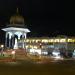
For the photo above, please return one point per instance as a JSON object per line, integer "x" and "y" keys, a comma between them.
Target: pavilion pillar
{"x": 23, "y": 40}
{"x": 16, "y": 44}
{"x": 12, "y": 40}
{"x": 6, "y": 40}
{"x": 18, "y": 37}
{"x": 10, "y": 34}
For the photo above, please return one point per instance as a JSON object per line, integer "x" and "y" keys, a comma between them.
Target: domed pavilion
{"x": 16, "y": 27}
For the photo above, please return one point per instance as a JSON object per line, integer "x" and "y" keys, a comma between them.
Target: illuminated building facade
{"x": 66, "y": 43}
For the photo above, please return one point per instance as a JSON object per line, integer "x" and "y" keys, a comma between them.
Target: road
{"x": 66, "y": 67}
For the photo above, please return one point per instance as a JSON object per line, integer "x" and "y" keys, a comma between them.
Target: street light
{"x": 2, "y": 49}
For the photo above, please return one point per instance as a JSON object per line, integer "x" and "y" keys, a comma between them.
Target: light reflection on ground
{"x": 12, "y": 63}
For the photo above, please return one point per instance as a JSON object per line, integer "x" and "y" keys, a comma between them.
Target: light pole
{"x": 2, "y": 50}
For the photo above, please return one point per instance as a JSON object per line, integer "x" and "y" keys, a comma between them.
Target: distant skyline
{"x": 43, "y": 17}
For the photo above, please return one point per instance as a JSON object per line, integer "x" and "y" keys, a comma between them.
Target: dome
{"x": 16, "y": 19}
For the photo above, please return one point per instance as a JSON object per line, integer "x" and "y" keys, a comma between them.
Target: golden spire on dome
{"x": 17, "y": 18}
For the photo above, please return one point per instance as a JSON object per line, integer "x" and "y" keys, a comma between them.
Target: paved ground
{"x": 66, "y": 67}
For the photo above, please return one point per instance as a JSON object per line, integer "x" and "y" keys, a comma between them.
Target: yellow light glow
{"x": 33, "y": 40}
{"x": 26, "y": 46}
{"x": 35, "y": 47}
{"x": 2, "y": 46}
{"x": 36, "y": 41}
{"x": 56, "y": 40}
{"x": 70, "y": 40}
{"x": 52, "y": 40}
{"x": 62, "y": 40}
{"x": 27, "y": 40}
{"x": 45, "y": 40}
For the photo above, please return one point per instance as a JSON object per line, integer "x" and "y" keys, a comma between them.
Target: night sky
{"x": 43, "y": 17}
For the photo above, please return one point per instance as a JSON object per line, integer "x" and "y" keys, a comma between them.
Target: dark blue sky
{"x": 44, "y": 17}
